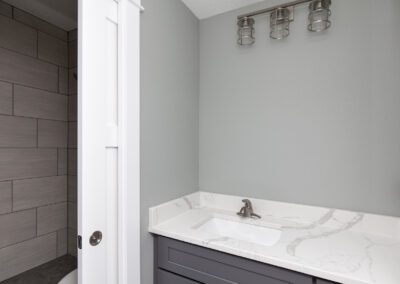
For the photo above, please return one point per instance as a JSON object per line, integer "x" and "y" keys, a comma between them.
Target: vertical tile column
{"x": 34, "y": 66}
{"x": 72, "y": 142}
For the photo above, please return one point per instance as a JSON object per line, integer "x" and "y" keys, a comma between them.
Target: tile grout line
{"x": 37, "y": 43}
{"x": 12, "y": 196}
{"x": 58, "y": 162}
{"x": 58, "y": 79}
{"x": 56, "y": 243}
{"x": 37, "y": 133}
{"x": 13, "y": 98}
{"x": 30, "y": 178}
{"x": 27, "y": 240}
{"x": 35, "y": 88}
{"x": 30, "y": 56}
{"x": 38, "y": 207}
{"x": 36, "y": 221}
{"x": 30, "y": 117}
{"x": 32, "y": 147}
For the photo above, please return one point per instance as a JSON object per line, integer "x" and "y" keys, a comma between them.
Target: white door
{"x": 108, "y": 133}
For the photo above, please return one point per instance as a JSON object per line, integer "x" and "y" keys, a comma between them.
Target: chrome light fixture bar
{"x": 280, "y": 18}
{"x": 268, "y": 10}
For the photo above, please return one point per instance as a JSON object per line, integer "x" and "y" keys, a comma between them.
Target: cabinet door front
{"x": 213, "y": 267}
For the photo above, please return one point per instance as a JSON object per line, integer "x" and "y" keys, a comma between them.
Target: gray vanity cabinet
{"x": 183, "y": 263}
{"x": 165, "y": 277}
{"x": 320, "y": 281}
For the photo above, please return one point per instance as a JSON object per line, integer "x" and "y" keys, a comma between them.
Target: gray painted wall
{"x": 311, "y": 119}
{"x": 169, "y": 111}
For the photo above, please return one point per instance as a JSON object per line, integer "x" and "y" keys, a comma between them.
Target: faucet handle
{"x": 247, "y": 203}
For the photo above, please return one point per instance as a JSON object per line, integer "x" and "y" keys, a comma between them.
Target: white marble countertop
{"x": 342, "y": 246}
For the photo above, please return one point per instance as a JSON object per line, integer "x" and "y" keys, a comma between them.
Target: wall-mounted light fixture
{"x": 246, "y": 31}
{"x": 279, "y": 22}
{"x": 319, "y": 15}
{"x": 280, "y": 18}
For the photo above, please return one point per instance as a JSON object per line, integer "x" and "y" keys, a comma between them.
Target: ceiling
{"x": 207, "y": 8}
{"x": 62, "y": 13}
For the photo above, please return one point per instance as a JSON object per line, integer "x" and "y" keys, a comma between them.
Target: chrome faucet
{"x": 247, "y": 210}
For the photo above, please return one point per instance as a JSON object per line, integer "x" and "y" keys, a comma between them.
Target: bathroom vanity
{"x": 200, "y": 238}
{"x": 182, "y": 263}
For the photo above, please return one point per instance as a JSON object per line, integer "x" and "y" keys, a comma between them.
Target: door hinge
{"x": 79, "y": 242}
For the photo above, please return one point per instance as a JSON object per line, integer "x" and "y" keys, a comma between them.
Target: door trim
{"x": 129, "y": 141}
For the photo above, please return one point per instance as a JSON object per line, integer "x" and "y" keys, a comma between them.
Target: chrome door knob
{"x": 95, "y": 238}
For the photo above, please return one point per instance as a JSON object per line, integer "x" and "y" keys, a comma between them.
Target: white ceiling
{"x": 207, "y": 8}
{"x": 62, "y": 13}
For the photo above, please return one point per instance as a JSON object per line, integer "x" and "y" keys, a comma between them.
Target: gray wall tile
{"x": 52, "y": 133}
{"x": 72, "y": 108}
{"x": 17, "y": 36}
{"x": 6, "y": 197}
{"x": 41, "y": 104}
{"x": 34, "y": 65}
{"x": 72, "y": 86}
{"x": 73, "y": 54}
{"x": 17, "y": 131}
{"x": 72, "y": 134}
{"x": 72, "y": 215}
{"x": 72, "y": 244}
{"x": 72, "y": 161}
{"x": 35, "y": 192}
{"x": 39, "y": 24}
{"x": 24, "y": 256}
{"x": 25, "y": 70}
{"x": 27, "y": 163}
{"x": 6, "y": 100}
{"x": 53, "y": 49}
{"x": 73, "y": 35}
{"x": 72, "y": 188}
{"x": 62, "y": 161}
{"x": 63, "y": 80}
{"x": 51, "y": 218}
{"x": 5, "y": 9}
{"x": 62, "y": 242}
{"x": 17, "y": 227}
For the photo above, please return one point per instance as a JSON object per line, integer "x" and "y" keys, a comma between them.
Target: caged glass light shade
{"x": 279, "y": 23}
{"x": 246, "y": 31}
{"x": 319, "y": 15}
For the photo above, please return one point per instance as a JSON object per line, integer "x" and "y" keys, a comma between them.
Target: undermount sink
{"x": 241, "y": 231}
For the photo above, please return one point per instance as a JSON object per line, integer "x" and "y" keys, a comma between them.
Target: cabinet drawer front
{"x": 164, "y": 277}
{"x": 213, "y": 267}
{"x": 320, "y": 281}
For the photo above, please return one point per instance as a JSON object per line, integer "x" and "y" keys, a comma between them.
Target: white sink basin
{"x": 241, "y": 231}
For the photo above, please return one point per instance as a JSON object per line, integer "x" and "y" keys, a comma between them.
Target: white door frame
{"x": 124, "y": 136}
{"x": 129, "y": 141}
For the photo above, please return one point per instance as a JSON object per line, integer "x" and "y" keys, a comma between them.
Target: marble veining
{"x": 342, "y": 246}
{"x": 291, "y": 248}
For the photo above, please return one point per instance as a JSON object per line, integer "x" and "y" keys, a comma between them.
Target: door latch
{"x": 79, "y": 242}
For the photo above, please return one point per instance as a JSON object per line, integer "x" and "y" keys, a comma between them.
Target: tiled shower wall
{"x": 72, "y": 143}
{"x": 34, "y": 154}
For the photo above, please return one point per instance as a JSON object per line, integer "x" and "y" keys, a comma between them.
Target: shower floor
{"x": 49, "y": 273}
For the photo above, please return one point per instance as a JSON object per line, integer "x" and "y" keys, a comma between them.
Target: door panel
{"x": 97, "y": 139}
